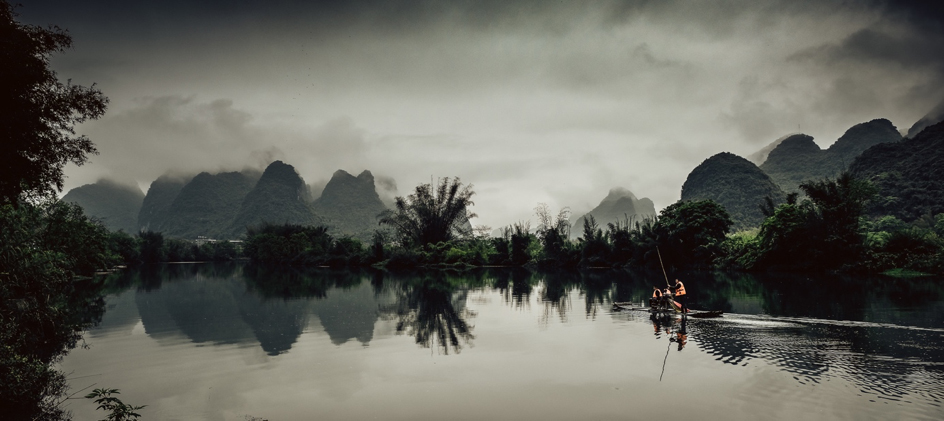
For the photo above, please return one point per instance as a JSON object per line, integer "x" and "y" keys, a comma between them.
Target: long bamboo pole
{"x": 663, "y": 266}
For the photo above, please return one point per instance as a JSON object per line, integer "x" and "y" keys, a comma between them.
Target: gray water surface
{"x": 233, "y": 342}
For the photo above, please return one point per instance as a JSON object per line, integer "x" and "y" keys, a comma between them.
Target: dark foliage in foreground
{"x": 39, "y": 112}
{"x": 47, "y": 300}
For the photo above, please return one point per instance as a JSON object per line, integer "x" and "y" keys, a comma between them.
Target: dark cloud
{"x": 533, "y": 101}
{"x": 874, "y": 46}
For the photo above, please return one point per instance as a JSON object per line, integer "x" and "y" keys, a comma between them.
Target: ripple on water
{"x": 891, "y": 364}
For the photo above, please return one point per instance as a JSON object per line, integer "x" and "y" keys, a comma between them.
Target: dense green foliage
{"x": 734, "y": 183}
{"x": 827, "y": 232}
{"x": 909, "y": 175}
{"x": 798, "y": 159}
{"x": 115, "y": 205}
{"x": 432, "y": 216}
{"x": 47, "y": 252}
{"x": 690, "y": 233}
{"x": 39, "y": 112}
{"x": 305, "y": 245}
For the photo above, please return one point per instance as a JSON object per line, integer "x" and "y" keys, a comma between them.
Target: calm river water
{"x": 240, "y": 342}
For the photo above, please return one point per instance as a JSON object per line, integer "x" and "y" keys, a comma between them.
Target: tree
{"x": 553, "y": 233}
{"x": 820, "y": 232}
{"x": 839, "y": 203}
{"x": 430, "y": 217}
{"x": 37, "y": 134}
{"x": 690, "y": 232}
{"x": 44, "y": 305}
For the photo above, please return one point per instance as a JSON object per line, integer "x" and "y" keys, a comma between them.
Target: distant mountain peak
{"x": 864, "y": 135}
{"x": 793, "y": 144}
{"x": 618, "y": 205}
{"x": 760, "y": 156}
{"x": 114, "y": 203}
{"x": 350, "y": 204}
{"x": 280, "y": 196}
{"x": 617, "y": 193}
{"x": 798, "y": 159}
{"x": 735, "y": 183}
{"x": 936, "y": 115}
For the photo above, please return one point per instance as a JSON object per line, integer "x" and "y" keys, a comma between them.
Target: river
{"x": 244, "y": 342}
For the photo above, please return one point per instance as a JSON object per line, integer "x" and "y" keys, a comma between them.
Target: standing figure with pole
{"x": 677, "y": 290}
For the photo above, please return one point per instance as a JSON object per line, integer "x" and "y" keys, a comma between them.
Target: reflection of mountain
{"x": 121, "y": 314}
{"x": 349, "y": 313}
{"x": 346, "y": 306}
{"x": 221, "y": 311}
{"x": 203, "y": 309}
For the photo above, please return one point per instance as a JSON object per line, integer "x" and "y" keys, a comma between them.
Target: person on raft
{"x": 656, "y": 299}
{"x": 678, "y": 290}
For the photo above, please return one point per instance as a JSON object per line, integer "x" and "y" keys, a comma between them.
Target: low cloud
{"x": 532, "y": 101}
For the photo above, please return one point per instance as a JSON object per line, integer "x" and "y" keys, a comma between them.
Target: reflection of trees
{"x": 432, "y": 309}
{"x": 288, "y": 281}
{"x": 515, "y": 286}
{"x": 554, "y": 296}
{"x": 597, "y": 289}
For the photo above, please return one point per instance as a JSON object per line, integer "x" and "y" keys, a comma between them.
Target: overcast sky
{"x": 530, "y": 101}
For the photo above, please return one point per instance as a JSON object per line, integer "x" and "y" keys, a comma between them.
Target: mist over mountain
{"x": 280, "y": 196}
{"x": 350, "y": 204}
{"x": 160, "y": 196}
{"x": 618, "y": 205}
{"x": 797, "y": 158}
{"x": 760, "y": 156}
{"x": 115, "y": 205}
{"x": 909, "y": 174}
{"x": 738, "y": 184}
{"x": 933, "y": 117}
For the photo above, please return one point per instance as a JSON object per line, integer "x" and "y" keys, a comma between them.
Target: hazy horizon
{"x": 529, "y": 101}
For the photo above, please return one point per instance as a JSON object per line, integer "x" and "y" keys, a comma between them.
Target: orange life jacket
{"x": 656, "y": 293}
{"x": 681, "y": 289}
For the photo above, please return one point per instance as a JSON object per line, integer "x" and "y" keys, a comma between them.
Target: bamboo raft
{"x": 701, "y": 314}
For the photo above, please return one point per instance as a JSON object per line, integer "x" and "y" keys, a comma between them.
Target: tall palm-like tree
{"x": 431, "y": 216}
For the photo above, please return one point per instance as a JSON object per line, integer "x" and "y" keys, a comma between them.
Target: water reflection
{"x": 215, "y": 307}
{"x": 432, "y": 308}
{"x": 337, "y": 334}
